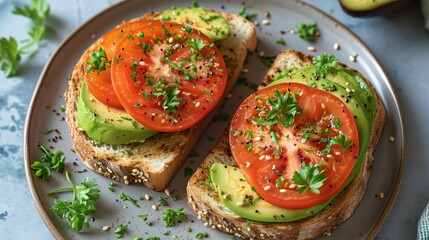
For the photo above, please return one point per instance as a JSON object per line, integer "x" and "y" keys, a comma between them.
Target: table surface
{"x": 399, "y": 41}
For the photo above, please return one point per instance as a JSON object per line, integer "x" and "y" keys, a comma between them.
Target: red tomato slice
{"x": 170, "y": 78}
{"x": 269, "y": 166}
{"x": 100, "y": 83}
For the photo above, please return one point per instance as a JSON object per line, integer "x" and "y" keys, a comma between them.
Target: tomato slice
{"x": 99, "y": 82}
{"x": 269, "y": 153}
{"x": 169, "y": 76}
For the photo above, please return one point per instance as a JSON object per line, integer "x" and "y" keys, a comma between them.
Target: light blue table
{"x": 399, "y": 41}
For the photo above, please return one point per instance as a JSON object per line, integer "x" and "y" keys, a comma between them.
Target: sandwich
{"x": 297, "y": 157}
{"x": 141, "y": 95}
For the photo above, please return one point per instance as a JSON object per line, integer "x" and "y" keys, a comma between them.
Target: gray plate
{"x": 45, "y": 113}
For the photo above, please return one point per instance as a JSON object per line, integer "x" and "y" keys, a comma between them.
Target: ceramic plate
{"x": 45, "y": 113}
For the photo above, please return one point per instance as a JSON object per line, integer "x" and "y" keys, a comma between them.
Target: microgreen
{"x": 77, "y": 210}
{"x": 120, "y": 230}
{"x": 307, "y": 31}
{"x": 309, "y": 177}
{"x": 169, "y": 215}
{"x": 324, "y": 63}
{"x": 56, "y": 160}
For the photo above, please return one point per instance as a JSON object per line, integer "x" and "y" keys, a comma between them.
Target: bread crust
{"x": 154, "y": 162}
{"x": 209, "y": 208}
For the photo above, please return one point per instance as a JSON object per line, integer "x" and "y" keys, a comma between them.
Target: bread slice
{"x": 209, "y": 208}
{"x": 154, "y": 162}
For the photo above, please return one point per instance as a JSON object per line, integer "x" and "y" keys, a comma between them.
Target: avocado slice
{"x": 233, "y": 189}
{"x": 369, "y": 8}
{"x": 211, "y": 23}
{"x": 107, "y": 125}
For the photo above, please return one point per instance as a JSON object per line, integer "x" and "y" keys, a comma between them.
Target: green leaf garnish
{"x": 120, "y": 230}
{"x": 242, "y": 12}
{"x": 125, "y": 197}
{"x": 169, "y": 215}
{"x": 324, "y": 63}
{"x": 310, "y": 177}
{"x": 99, "y": 61}
{"x": 267, "y": 60}
{"x": 307, "y": 31}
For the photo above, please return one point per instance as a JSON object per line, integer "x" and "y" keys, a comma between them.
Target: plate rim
{"x": 55, "y": 229}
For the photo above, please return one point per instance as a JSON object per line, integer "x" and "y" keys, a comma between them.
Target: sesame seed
{"x": 352, "y": 58}
{"x": 167, "y": 191}
{"x": 337, "y": 153}
{"x": 245, "y": 70}
{"x": 206, "y": 224}
{"x": 323, "y": 105}
{"x": 391, "y": 138}
{"x": 292, "y": 186}
{"x": 348, "y": 90}
{"x": 268, "y": 187}
{"x": 197, "y": 104}
{"x": 239, "y": 204}
{"x": 282, "y": 190}
{"x": 266, "y": 22}
{"x": 381, "y": 195}
{"x": 256, "y": 23}
{"x": 311, "y": 48}
{"x": 329, "y": 156}
{"x": 261, "y": 53}
{"x": 268, "y": 157}
{"x": 154, "y": 207}
{"x": 127, "y": 182}
{"x": 106, "y": 228}
{"x": 134, "y": 170}
{"x": 303, "y": 140}
{"x": 125, "y": 177}
{"x": 262, "y": 157}
{"x": 266, "y": 14}
{"x": 147, "y": 197}
{"x": 229, "y": 95}
{"x": 257, "y": 138}
{"x": 336, "y": 46}
{"x": 80, "y": 129}
{"x": 247, "y": 164}
{"x": 170, "y": 40}
{"x": 125, "y": 207}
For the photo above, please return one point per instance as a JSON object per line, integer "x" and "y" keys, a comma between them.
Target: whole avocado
{"x": 372, "y": 8}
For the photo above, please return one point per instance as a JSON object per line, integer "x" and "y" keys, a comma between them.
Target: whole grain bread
{"x": 207, "y": 205}
{"x": 154, "y": 162}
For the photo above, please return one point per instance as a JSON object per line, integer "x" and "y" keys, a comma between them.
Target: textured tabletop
{"x": 399, "y": 41}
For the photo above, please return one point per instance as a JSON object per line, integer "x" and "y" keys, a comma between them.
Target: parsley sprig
{"x": 310, "y": 177}
{"x": 242, "y": 12}
{"x": 77, "y": 210}
{"x": 120, "y": 230}
{"x": 169, "y": 92}
{"x": 307, "y": 31}
{"x": 169, "y": 215}
{"x": 340, "y": 140}
{"x": 56, "y": 160}
{"x": 284, "y": 108}
{"x": 324, "y": 63}
{"x": 10, "y": 52}
{"x": 125, "y": 197}
{"x": 99, "y": 61}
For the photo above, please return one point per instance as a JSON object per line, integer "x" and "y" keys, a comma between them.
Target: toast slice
{"x": 209, "y": 208}
{"x": 154, "y": 162}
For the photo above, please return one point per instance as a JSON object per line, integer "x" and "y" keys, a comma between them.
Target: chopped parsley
{"x": 281, "y": 41}
{"x": 163, "y": 202}
{"x": 324, "y": 63}
{"x": 125, "y": 197}
{"x": 202, "y": 235}
{"x": 188, "y": 171}
{"x": 267, "y": 60}
{"x": 120, "y": 230}
{"x": 99, "y": 61}
{"x": 242, "y": 12}
{"x": 169, "y": 215}
{"x": 111, "y": 186}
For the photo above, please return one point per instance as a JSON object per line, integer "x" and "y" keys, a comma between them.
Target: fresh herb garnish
{"x": 77, "y": 210}
{"x": 340, "y": 140}
{"x": 188, "y": 171}
{"x": 283, "y": 107}
{"x": 56, "y": 160}
{"x": 281, "y": 41}
{"x": 144, "y": 216}
{"x": 307, "y": 31}
{"x": 175, "y": 196}
{"x": 120, "y": 230}
{"x": 99, "y": 61}
{"x": 242, "y": 12}
{"x": 125, "y": 197}
{"x": 111, "y": 186}
{"x": 202, "y": 235}
{"x": 194, "y": 4}
{"x": 10, "y": 53}
{"x": 163, "y": 202}
{"x": 309, "y": 177}
{"x": 267, "y": 60}
{"x": 280, "y": 181}
{"x": 324, "y": 63}
{"x": 169, "y": 215}
{"x": 189, "y": 229}
{"x": 169, "y": 92}
{"x": 196, "y": 45}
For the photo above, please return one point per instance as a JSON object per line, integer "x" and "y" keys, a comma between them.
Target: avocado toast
{"x": 154, "y": 161}
{"x": 234, "y": 208}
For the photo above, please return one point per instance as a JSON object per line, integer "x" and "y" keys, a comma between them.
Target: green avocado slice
{"x": 211, "y": 23}
{"x": 230, "y": 184}
{"x": 107, "y": 125}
